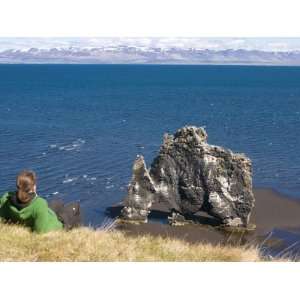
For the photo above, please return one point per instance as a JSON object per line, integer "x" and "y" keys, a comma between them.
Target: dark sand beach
{"x": 272, "y": 211}
{"x": 275, "y": 210}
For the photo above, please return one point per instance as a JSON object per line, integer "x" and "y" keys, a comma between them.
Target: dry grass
{"x": 85, "y": 244}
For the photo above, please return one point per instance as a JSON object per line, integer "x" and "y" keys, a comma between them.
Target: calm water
{"x": 81, "y": 126}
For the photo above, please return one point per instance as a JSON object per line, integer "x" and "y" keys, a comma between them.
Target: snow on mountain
{"x": 151, "y": 51}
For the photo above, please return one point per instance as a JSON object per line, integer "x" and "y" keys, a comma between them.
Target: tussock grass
{"x": 86, "y": 244}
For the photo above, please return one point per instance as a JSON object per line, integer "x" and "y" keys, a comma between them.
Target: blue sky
{"x": 265, "y": 44}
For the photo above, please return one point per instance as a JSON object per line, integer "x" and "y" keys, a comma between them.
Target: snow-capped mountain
{"x": 151, "y": 51}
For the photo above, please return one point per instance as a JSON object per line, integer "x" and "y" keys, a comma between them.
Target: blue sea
{"x": 80, "y": 127}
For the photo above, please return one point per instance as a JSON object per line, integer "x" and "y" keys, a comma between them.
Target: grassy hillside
{"x": 85, "y": 244}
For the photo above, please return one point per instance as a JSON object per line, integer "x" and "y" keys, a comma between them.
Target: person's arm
{"x": 3, "y": 199}
{"x": 44, "y": 221}
{"x": 41, "y": 218}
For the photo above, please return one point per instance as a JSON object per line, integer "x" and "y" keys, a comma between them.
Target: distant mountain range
{"x": 145, "y": 54}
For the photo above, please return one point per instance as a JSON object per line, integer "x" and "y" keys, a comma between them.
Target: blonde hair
{"x": 26, "y": 181}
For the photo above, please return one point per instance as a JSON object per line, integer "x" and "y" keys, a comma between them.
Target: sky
{"x": 264, "y": 44}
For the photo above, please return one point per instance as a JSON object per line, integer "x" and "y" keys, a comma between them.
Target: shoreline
{"x": 272, "y": 210}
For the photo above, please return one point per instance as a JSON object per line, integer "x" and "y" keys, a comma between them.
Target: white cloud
{"x": 278, "y": 46}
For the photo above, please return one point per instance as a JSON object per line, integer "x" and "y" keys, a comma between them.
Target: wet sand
{"x": 272, "y": 210}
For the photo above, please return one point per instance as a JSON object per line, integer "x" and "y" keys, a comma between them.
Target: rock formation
{"x": 191, "y": 175}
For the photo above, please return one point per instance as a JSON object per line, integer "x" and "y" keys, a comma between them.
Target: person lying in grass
{"x": 25, "y": 207}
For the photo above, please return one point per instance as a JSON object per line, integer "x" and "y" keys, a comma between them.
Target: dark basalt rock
{"x": 191, "y": 175}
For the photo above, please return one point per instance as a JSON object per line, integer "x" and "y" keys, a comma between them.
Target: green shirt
{"x": 37, "y": 215}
